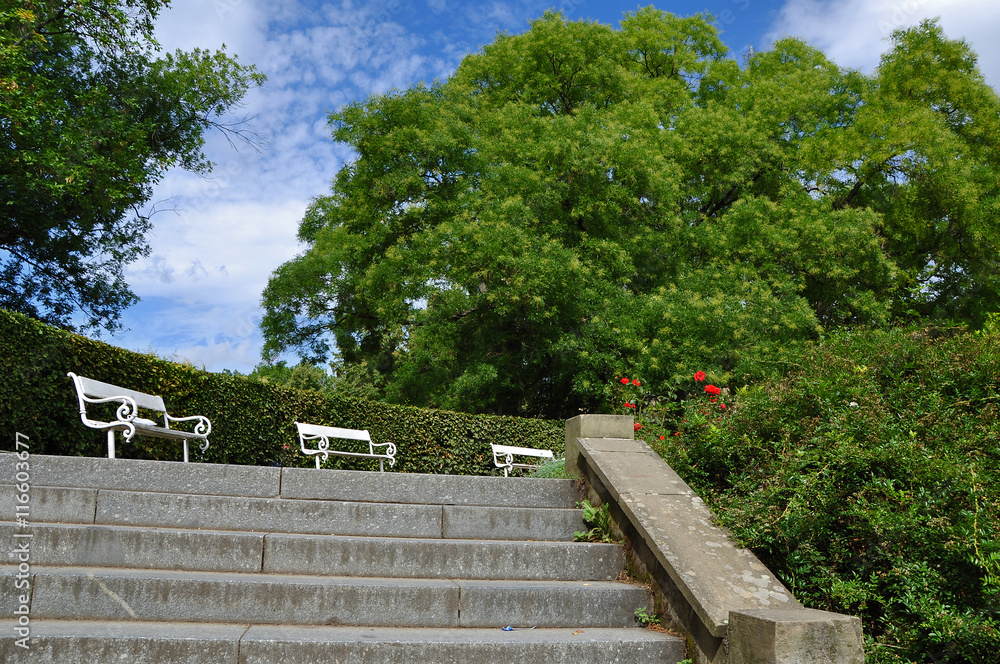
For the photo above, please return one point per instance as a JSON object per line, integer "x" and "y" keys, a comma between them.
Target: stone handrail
{"x": 732, "y": 608}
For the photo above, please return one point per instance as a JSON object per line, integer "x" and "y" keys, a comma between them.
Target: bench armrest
{"x": 126, "y": 412}
{"x": 202, "y": 429}
{"x": 390, "y": 450}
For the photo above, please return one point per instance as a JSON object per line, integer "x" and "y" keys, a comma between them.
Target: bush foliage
{"x": 866, "y": 474}
{"x": 252, "y": 421}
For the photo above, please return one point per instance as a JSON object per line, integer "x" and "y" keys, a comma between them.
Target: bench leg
{"x": 317, "y": 462}
{"x": 111, "y": 443}
{"x": 185, "y": 451}
{"x": 381, "y": 465}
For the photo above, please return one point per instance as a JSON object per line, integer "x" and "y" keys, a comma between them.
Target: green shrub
{"x": 552, "y": 469}
{"x": 252, "y": 421}
{"x": 868, "y": 480}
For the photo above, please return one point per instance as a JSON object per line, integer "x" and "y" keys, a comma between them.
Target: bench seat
{"x": 323, "y": 434}
{"x": 93, "y": 392}
{"x": 504, "y": 455}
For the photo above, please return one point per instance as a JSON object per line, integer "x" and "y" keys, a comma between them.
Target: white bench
{"x": 323, "y": 434}
{"x": 508, "y": 453}
{"x": 90, "y": 391}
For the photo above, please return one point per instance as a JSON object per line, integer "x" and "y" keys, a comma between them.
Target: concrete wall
{"x": 731, "y": 607}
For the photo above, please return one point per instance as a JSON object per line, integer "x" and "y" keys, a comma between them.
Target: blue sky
{"x": 216, "y": 240}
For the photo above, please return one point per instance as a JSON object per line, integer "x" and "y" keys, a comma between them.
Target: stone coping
{"x": 714, "y": 575}
{"x": 734, "y": 610}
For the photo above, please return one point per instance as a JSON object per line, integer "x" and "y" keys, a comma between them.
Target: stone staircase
{"x": 145, "y": 561}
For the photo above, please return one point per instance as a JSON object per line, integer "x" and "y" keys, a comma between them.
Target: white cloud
{"x": 222, "y": 254}
{"x": 854, "y": 33}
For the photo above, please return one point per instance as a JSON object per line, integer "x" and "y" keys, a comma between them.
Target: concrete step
{"x": 146, "y": 561}
{"x": 227, "y": 551}
{"x": 54, "y": 641}
{"x": 329, "y": 517}
{"x": 92, "y": 593}
{"x": 310, "y": 483}
{"x": 299, "y": 483}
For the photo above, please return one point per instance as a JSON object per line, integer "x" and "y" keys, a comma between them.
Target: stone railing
{"x": 731, "y": 607}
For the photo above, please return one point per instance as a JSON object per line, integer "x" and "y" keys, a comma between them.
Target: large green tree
{"x": 578, "y": 201}
{"x": 90, "y": 119}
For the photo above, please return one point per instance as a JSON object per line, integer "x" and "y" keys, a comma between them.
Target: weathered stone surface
{"x": 310, "y": 483}
{"x": 73, "y": 641}
{"x": 511, "y": 523}
{"x": 15, "y": 600}
{"x": 143, "y": 475}
{"x": 550, "y": 604}
{"x": 440, "y": 559}
{"x": 266, "y": 645}
{"x": 50, "y": 504}
{"x": 184, "y": 596}
{"x": 173, "y": 510}
{"x": 794, "y": 636}
{"x": 186, "y": 555}
{"x": 594, "y": 426}
{"x": 632, "y": 467}
{"x": 713, "y": 575}
{"x": 112, "y": 546}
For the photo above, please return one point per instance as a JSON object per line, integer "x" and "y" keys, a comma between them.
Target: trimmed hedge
{"x": 252, "y": 421}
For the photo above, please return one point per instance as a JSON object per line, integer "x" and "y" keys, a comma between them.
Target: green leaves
{"x": 91, "y": 120}
{"x": 862, "y": 470}
{"x": 599, "y": 520}
{"x": 577, "y": 201}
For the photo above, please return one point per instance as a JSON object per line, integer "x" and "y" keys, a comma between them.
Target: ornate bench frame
{"x": 90, "y": 391}
{"x": 323, "y": 434}
{"x": 508, "y": 452}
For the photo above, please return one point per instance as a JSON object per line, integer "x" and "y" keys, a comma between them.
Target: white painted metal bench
{"x": 90, "y": 391}
{"x": 323, "y": 434}
{"x": 504, "y": 455}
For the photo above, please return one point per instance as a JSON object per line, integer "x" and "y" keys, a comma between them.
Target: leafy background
{"x": 864, "y": 470}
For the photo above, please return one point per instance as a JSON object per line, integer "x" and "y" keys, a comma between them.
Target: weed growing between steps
{"x": 645, "y": 618}
{"x": 599, "y": 520}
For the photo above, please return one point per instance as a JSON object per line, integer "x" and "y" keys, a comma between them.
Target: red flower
{"x": 629, "y": 405}
{"x": 677, "y": 433}
{"x": 722, "y": 406}
{"x": 699, "y": 376}
{"x": 624, "y": 381}
{"x": 661, "y": 437}
{"x": 636, "y": 426}
{"x": 712, "y": 389}
{"x": 635, "y": 381}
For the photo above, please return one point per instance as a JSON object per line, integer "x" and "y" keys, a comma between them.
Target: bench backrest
{"x": 520, "y": 451}
{"x": 332, "y": 432}
{"x": 95, "y": 389}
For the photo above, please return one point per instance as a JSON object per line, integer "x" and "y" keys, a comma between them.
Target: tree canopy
{"x": 577, "y": 201}
{"x": 90, "y": 119}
